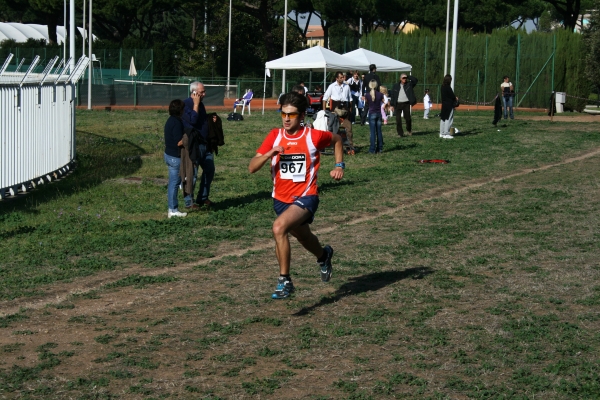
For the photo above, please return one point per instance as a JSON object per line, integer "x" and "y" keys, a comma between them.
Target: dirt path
{"x": 60, "y": 292}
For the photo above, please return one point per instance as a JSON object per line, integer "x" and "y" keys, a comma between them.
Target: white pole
{"x": 454, "y": 33}
{"x": 447, "y": 32}
{"x": 229, "y": 54}
{"x": 84, "y": 33}
{"x": 65, "y": 29}
{"x": 90, "y": 37}
{"x": 264, "y": 92}
{"x": 284, "y": 44}
{"x": 360, "y": 30}
{"x": 72, "y": 28}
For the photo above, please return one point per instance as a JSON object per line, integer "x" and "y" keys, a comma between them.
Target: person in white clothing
{"x": 338, "y": 92}
{"x": 385, "y": 106}
{"x": 427, "y": 104}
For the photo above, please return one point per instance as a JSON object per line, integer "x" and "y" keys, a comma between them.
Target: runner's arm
{"x": 338, "y": 149}
{"x": 259, "y": 159}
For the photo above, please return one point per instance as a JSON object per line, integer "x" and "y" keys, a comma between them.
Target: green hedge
{"x": 482, "y": 60}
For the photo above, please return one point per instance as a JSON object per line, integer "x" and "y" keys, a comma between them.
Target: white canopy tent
{"x": 21, "y": 32}
{"x": 364, "y": 58}
{"x": 313, "y": 58}
{"x": 319, "y": 57}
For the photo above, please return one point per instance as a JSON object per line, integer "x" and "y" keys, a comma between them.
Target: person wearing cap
{"x": 403, "y": 97}
{"x": 508, "y": 91}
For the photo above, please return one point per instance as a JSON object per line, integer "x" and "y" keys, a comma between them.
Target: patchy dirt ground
{"x": 562, "y": 117}
{"x": 384, "y": 327}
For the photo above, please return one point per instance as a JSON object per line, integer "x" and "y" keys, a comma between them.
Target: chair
{"x": 244, "y": 101}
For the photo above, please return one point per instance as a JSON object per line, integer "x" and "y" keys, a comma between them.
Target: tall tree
{"x": 570, "y": 10}
{"x": 267, "y": 13}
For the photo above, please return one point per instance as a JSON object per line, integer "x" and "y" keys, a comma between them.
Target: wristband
{"x": 341, "y": 165}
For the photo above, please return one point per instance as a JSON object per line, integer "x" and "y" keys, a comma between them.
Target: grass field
{"x": 474, "y": 279}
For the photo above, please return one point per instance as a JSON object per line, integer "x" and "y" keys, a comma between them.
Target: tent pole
{"x": 264, "y": 92}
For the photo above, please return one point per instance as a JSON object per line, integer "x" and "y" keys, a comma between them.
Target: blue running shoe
{"x": 284, "y": 288}
{"x": 326, "y": 268}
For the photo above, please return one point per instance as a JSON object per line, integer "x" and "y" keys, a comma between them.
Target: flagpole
{"x": 90, "y": 64}
{"x": 229, "y": 53}
{"x": 454, "y": 33}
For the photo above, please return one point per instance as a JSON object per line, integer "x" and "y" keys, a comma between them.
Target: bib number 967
{"x": 292, "y": 166}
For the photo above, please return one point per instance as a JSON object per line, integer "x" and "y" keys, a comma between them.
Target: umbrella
{"x": 132, "y": 70}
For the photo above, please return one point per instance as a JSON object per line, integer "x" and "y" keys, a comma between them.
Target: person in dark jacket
{"x": 497, "y": 111}
{"x": 447, "y": 113}
{"x": 403, "y": 96}
{"x": 195, "y": 116}
{"x": 172, "y": 156}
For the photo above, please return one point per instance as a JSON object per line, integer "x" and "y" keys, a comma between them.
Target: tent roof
{"x": 315, "y": 57}
{"x": 21, "y": 32}
{"x": 364, "y": 58}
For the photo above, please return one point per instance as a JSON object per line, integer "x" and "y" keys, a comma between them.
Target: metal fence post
{"x": 517, "y": 68}
{"x": 485, "y": 68}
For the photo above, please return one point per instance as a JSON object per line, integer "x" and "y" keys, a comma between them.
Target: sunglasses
{"x": 403, "y": 77}
{"x": 292, "y": 115}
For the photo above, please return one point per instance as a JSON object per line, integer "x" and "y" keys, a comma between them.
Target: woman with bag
{"x": 449, "y": 102}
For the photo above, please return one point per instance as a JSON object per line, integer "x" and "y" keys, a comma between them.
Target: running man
{"x": 294, "y": 155}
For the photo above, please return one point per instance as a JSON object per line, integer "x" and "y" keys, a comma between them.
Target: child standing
{"x": 385, "y": 106}
{"x": 427, "y": 104}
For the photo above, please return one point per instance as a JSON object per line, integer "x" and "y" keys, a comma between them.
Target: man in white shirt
{"x": 341, "y": 99}
{"x": 338, "y": 92}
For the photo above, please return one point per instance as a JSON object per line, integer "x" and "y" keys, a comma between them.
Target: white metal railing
{"x": 37, "y": 124}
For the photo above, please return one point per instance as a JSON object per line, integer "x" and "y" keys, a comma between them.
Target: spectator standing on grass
{"x": 355, "y": 92}
{"x": 173, "y": 144}
{"x": 372, "y": 75}
{"x": 402, "y": 99}
{"x": 374, "y": 100}
{"x": 427, "y": 103}
{"x": 385, "y": 106}
{"x": 449, "y": 99}
{"x": 338, "y": 93}
{"x": 508, "y": 92}
{"x": 295, "y": 159}
{"x": 195, "y": 117}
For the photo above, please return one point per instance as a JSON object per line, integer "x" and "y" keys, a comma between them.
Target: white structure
{"x": 363, "y": 58}
{"x": 37, "y": 124}
{"x": 21, "y": 32}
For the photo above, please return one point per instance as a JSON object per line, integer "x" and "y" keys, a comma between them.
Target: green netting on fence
{"x": 482, "y": 60}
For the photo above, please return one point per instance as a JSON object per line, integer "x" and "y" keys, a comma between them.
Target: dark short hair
{"x": 338, "y": 73}
{"x": 447, "y": 80}
{"x": 372, "y": 67}
{"x": 298, "y": 89}
{"x": 505, "y": 77}
{"x": 294, "y": 99}
{"x": 176, "y": 107}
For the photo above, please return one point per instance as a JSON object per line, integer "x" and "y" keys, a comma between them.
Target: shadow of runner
{"x": 367, "y": 283}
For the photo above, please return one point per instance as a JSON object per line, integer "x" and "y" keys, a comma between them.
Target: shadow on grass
{"x": 468, "y": 132}
{"x": 367, "y": 283}
{"x": 400, "y": 147}
{"x": 99, "y": 158}
{"x": 240, "y": 201}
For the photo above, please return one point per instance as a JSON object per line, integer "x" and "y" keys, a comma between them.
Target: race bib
{"x": 292, "y": 166}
